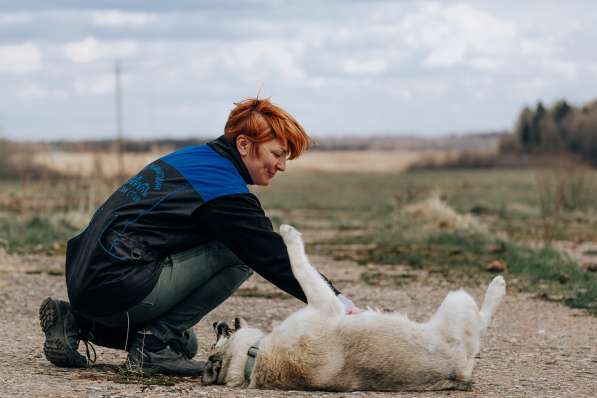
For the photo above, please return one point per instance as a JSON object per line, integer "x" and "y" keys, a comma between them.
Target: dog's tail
{"x": 493, "y": 296}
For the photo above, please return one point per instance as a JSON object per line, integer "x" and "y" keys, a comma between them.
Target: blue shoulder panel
{"x": 210, "y": 174}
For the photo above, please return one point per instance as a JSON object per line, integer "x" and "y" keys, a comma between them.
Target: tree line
{"x": 557, "y": 129}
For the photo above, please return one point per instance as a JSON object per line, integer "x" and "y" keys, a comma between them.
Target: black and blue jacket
{"x": 189, "y": 197}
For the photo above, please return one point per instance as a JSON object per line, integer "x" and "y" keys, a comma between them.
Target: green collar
{"x": 251, "y": 356}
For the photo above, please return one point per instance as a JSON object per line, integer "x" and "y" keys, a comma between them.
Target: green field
{"x": 510, "y": 216}
{"x": 478, "y": 218}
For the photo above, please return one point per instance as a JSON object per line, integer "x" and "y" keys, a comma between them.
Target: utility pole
{"x": 119, "y": 130}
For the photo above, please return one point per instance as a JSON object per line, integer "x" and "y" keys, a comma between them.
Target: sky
{"x": 340, "y": 67}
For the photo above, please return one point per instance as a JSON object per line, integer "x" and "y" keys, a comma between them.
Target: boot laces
{"x": 84, "y": 336}
{"x": 88, "y": 345}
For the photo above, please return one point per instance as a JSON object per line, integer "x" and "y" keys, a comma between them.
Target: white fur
{"x": 320, "y": 347}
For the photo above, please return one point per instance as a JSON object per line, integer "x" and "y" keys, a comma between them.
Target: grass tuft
{"x": 34, "y": 234}
{"x": 544, "y": 271}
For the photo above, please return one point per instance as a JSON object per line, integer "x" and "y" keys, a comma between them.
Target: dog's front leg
{"x": 318, "y": 292}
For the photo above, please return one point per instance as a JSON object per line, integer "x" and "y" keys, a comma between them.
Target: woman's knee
{"x": 246, "y": 270}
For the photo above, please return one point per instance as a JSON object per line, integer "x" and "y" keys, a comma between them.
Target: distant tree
{"x": 538, "y": 117}
{"x": 523, "y": 129}
{"x": 560, "y": 110}
{"x": 561, "y": 128}
{"x": 561, "y": 113}
{"x": 6, "y": 159}
{"x": 588, "y": 135}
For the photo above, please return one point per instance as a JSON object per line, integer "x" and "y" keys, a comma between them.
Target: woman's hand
{"x": 355, "y": 310}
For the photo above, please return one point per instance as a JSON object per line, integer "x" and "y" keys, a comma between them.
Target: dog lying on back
{"x": 319, "y": 347}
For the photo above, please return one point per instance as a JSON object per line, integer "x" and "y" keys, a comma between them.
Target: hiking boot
{"x": 62, "y": 334}
{"x": 149, "y": 355}
{"x": 186, "y": 344}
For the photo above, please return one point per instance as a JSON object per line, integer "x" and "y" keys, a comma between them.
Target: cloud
{"x": 32, "y": 91}
{"x": 15, "y": 18}
{"x": 258, "y": 56}
{"x": 90, "y": 49}
{"x": 535, "y": 48}
{"x": 20, "y": 58}
{"x": 365, "y": 66}
{"x": 95, "y": 85}
{"x": 487, "y": 63}
{"x": 450, "y": 33}
{"x": 116, "y": 19}
{"x": 568, "y": 70}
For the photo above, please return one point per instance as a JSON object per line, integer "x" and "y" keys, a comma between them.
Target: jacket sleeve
{"x": 238, "y": 221}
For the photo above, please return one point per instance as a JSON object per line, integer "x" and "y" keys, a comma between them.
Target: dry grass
{"x": 566, "y": 189}
{"x": 563, "y": 190}
{"x": 457, "y": 159}
{"x": 94, "y": 164}
{"x": 105, "y": 164}
{"x": 370, "y": 161}
{"x": 437, "y": 211}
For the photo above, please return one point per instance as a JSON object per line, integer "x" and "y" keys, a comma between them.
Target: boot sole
{"x": 152, "y": 369}
{"x": 55, "y": 348}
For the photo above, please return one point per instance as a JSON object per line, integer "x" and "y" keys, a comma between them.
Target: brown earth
{"x": 534, "y": 348}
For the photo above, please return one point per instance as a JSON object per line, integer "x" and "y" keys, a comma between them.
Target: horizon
{"x": 326, "y": 138}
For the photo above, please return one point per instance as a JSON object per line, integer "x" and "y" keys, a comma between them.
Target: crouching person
{"x": 173, "y": 243}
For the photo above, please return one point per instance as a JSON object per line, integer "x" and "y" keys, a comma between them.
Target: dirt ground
{"x": 534, "y": 348}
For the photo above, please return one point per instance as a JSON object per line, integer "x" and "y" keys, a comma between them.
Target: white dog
{"x": 319, "y": 347}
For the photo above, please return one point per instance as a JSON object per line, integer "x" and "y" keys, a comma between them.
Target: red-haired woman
{"x": 173, "y": 243}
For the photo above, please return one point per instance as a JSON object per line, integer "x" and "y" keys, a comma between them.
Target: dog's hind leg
{"x": 319, "y": 294}
{"x": 493, "y": 296}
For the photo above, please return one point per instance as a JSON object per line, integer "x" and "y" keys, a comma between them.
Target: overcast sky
{"x": 341, "y": 67}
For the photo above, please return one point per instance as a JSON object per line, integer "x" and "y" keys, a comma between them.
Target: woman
{"x": 173, "y": 243}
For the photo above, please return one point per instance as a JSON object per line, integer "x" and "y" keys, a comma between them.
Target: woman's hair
{"x": 261, "y": 121}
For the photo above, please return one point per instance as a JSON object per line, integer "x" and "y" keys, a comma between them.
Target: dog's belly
{"x": 390, "y": 352}
{"x": 369, "y": 351}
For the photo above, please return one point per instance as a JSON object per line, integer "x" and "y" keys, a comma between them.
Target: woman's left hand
{"x": 354, "y": 311}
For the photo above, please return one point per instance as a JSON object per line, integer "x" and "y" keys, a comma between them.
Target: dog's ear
{"x": 240, "y": 323}
{"x": 212, "y": 368}
{"x": 222, "y": 329}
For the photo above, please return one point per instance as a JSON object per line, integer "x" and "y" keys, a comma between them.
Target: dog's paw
{"x": 289, "y": 233}
{"x": 497, "y": 289}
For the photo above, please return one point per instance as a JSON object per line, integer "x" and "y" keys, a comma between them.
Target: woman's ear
{"x": 243, "y": 145}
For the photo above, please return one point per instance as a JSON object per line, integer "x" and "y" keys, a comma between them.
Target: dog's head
{"x": 223, "y": 351}
{"x": 223, "y": 332}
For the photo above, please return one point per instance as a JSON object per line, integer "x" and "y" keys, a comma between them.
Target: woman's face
{"x": 263, "y": 165}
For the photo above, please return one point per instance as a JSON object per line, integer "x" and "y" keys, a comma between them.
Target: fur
{"x": 319, "y": 347}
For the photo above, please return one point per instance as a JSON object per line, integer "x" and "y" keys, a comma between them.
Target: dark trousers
{"x": 191, "y": 284}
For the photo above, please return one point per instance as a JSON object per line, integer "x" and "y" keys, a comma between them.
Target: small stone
{"x": 496, "y": 266}
{"x": 552, "y": 297}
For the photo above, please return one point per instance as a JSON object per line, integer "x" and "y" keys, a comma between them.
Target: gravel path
{"x": 533, "y": 349}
